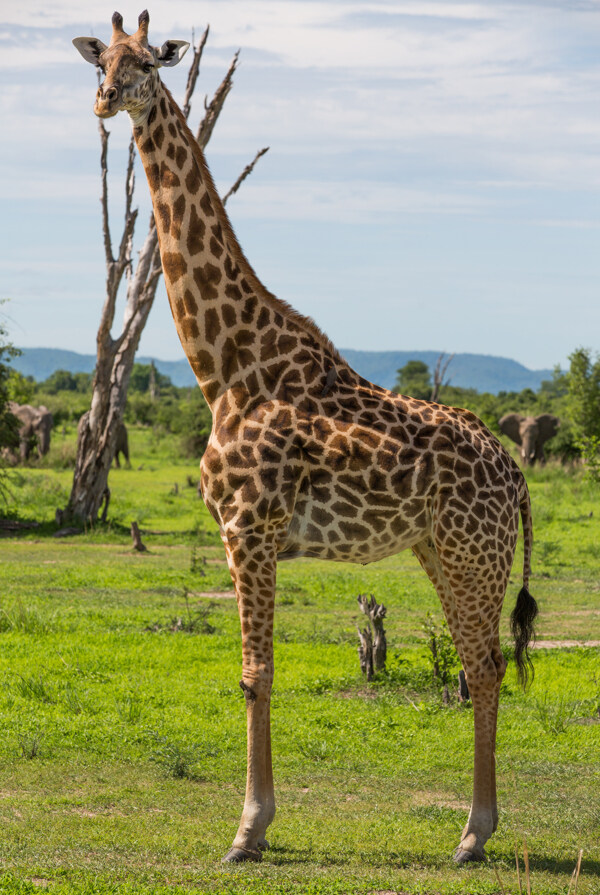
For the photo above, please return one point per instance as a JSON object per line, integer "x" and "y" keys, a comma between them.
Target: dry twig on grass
{"x": 575, "y": 877}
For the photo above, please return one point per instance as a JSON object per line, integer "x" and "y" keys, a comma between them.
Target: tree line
{"x": 153, "y": 401}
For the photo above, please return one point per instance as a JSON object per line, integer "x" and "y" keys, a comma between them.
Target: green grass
{"x": 122, "y": 766}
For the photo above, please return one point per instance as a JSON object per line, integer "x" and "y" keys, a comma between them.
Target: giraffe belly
{"x": 351, "y": 535}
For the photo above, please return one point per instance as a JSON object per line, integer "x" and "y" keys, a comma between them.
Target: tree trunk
{"x": 97, "y": 433}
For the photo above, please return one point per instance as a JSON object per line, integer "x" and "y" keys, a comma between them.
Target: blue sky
{"x": 432, "y": 180}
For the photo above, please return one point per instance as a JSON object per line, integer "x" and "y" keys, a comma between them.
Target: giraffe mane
{"x": 305, "y": 322}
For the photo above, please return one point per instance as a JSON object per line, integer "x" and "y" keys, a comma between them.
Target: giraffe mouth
{"x": 103, "y": 110}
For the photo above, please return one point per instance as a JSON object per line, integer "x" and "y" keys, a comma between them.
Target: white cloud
{"x": 359, "y": 202}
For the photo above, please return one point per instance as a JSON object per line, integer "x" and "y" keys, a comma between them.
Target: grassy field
{"x": 122, "y": 766}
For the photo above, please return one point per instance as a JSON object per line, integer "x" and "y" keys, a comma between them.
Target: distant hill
{"x": 479, "y": 371}
{"x": 483, "y": 372}
{"x": 42, "y": 362}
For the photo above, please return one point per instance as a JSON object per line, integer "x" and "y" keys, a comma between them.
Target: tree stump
{"x": 373, "y": 645}
{"x": 137, "y": 538}
{"x": 365, "y": 652}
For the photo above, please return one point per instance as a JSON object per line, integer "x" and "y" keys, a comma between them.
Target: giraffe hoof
{"x": 464, "y": 856}
{"x": 469, "y": 849}
{"x": 238, "y": 855}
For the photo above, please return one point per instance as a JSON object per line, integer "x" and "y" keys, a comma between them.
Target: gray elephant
{"x": 35, "y": 426}
{"x": 122, "y": 445}
{"x": 530, "y": 433}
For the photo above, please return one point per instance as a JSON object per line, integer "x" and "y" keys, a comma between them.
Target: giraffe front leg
{"x": 253, "y": 566}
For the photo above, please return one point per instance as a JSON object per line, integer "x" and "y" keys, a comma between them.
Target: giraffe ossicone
{"x": 307, "y": 458}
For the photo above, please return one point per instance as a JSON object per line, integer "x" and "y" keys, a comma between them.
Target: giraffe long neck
{"x": 229, "y": 325}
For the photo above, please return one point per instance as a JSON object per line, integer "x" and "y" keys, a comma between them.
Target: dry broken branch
{"x": 213, "y": 109}
{"x": 126, "y": 246}
{"x": 439, "y": 373}
{"x": 247, "y": 171}
{"x": 104, "y": 135}
{"x": 193, "y": 73}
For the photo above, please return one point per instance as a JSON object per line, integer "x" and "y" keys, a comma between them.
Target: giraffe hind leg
{"x": 473, "y": 622}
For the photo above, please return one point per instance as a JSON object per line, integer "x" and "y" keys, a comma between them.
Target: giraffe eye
{"x": 147, "y": 67}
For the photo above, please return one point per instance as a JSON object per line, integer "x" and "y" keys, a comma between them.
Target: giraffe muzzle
{"x": 108, "y": 101}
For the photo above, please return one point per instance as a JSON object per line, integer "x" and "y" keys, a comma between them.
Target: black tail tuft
{"x": 521, "y": 626}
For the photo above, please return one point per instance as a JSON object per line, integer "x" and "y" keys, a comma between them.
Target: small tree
{"x": 583, "y": 403}
{"x": 414, "y": 379}
{"x": 60, "y": 381}
{"x": 9, "y": 429}
{"x": 442, "y": 654}
{"x": 21, "y": 389}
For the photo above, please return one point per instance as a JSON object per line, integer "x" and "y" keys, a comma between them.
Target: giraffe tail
{"x": 523, "y": 615}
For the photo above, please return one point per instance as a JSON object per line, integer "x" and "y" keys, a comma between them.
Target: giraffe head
{"x": 130, "y": 67}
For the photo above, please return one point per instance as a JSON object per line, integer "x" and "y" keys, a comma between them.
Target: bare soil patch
{"x": 563, "y": 644}
{"x": 214, "y": 594}
{"x": 577, "y": 613}
{"x": 440, "y": 800}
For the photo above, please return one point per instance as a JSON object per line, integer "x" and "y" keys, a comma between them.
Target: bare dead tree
{"x": 441, "y": 368}
{"x": 247, "y": 170}
{"x": 97, "y": 431}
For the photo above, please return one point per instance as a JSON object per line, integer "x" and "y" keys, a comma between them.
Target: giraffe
{"x": 307, "y": 458}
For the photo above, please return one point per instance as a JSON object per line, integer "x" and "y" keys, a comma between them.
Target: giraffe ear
{"x": 90, "y": 48}
{"x": 171, "y": 52}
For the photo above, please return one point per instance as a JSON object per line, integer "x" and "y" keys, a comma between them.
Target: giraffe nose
{"x": 110, "y": 94}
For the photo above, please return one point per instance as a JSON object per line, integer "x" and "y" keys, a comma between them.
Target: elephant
{"x": 35, "y": 426}
{"x": 530, "y": 433}
{"x": 122, "y": 446}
